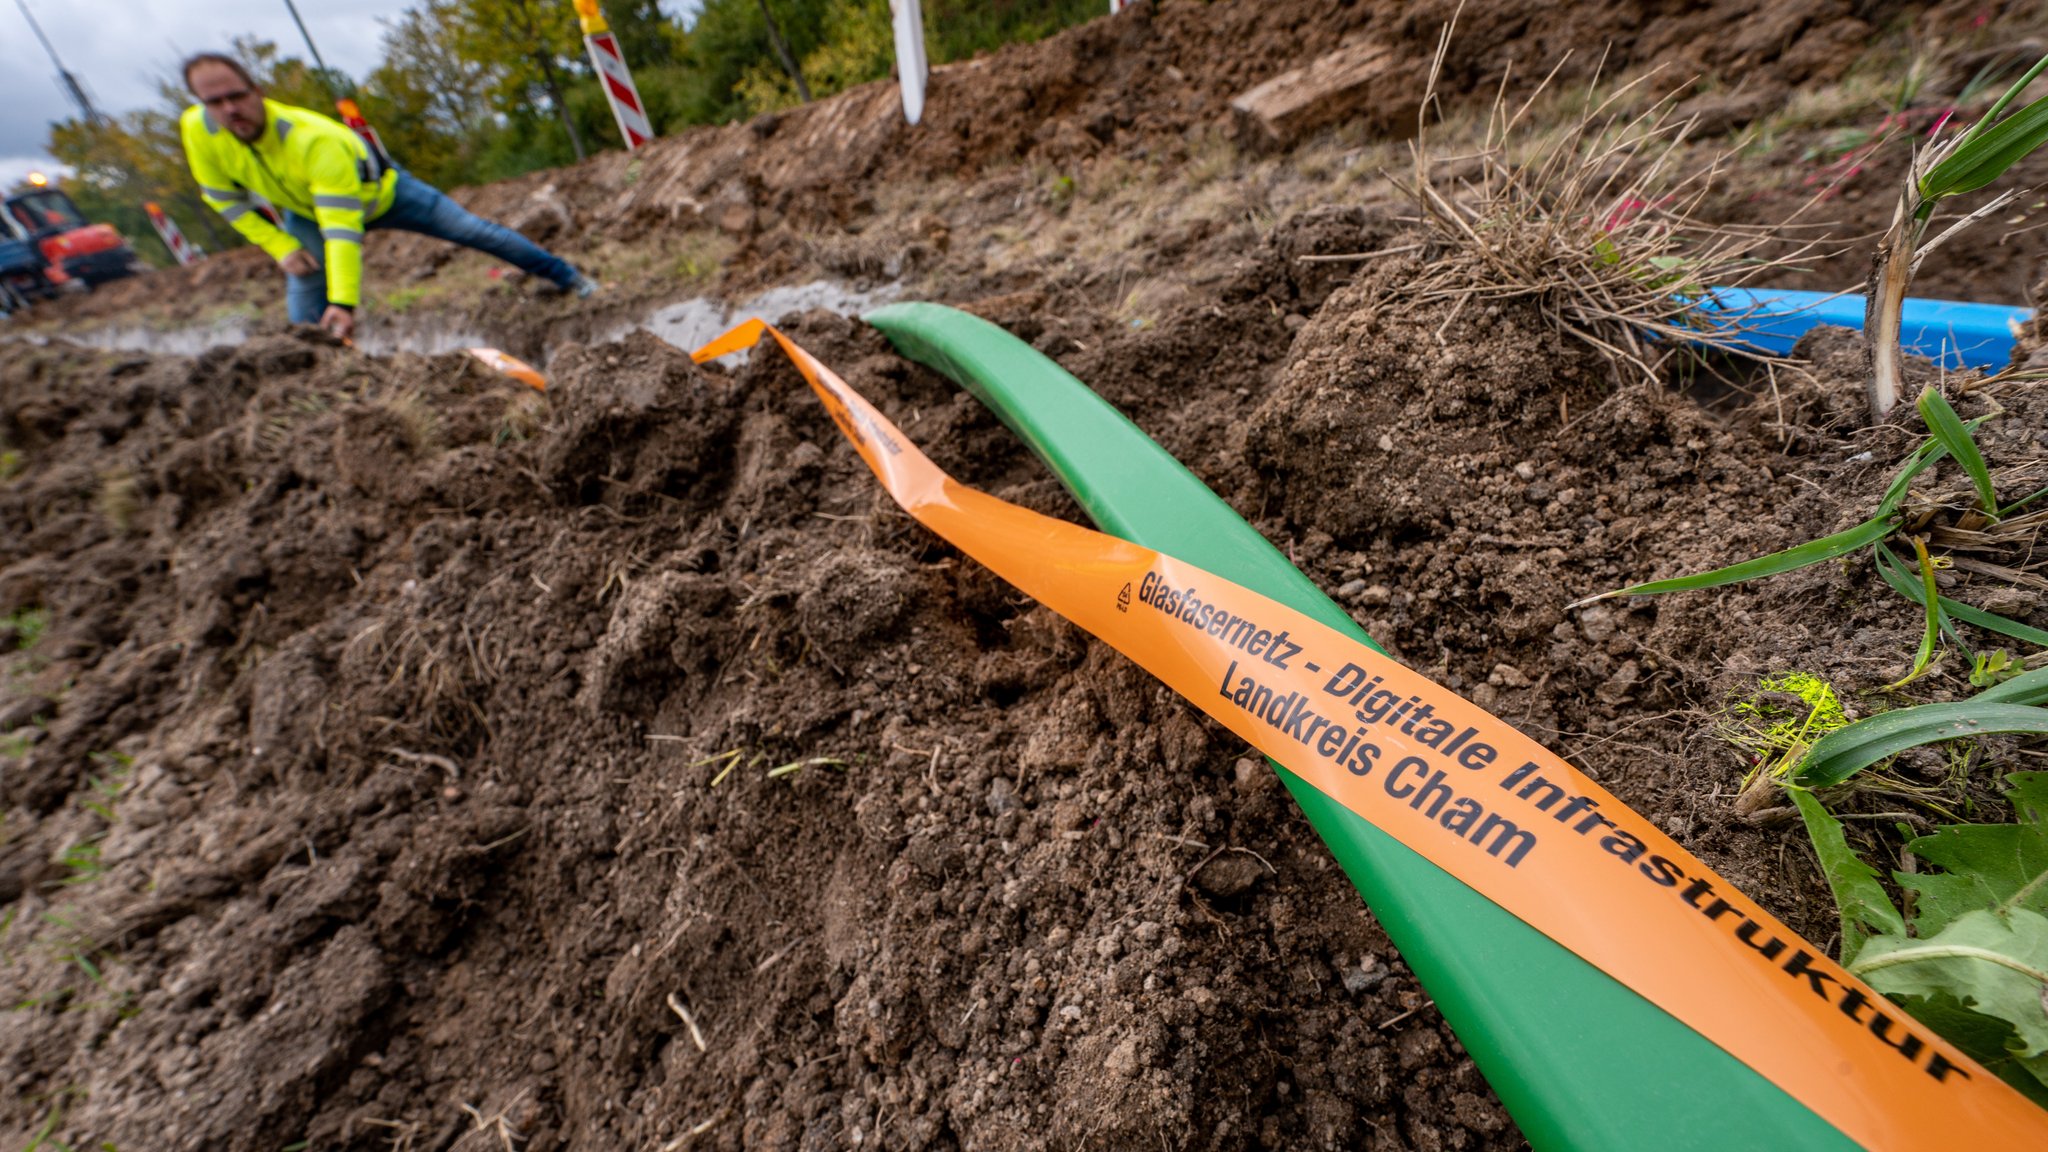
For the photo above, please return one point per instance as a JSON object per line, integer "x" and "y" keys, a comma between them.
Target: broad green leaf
{"x": 1846, "y": 751}
{"x": 1985, "y": 866}
{"x": 1984, "y": 1040}
{"x": 1976, "y": 967}
{"x": 1994, "y": 965}
{"x": 1985, "y": 159}
{"x": 1812, "y": 552}
{"x": 1866, "y": 910}
{"x": 1948, "y": 430}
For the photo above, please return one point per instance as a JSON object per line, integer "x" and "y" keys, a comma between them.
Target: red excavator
{"x": 46, "y": 246}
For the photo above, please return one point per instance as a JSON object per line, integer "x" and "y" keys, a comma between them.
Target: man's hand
{"x": 300, "y": 263}
{"x": 339, "y": 321}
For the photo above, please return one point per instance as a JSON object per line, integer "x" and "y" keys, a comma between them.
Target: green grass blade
{"x": 1993, "y": 622}
{"x": 1812, "y": 552}
{"x": 1981, "y": 159}
{"x": 1846, "y": 751}
{"x": 2010, "y": 95}
{"x": 1948, "y": 431}
{"x": 1902, "y": 581}
{"x": 2022, "y": 502}
{"x": 1922, "y": 458}
{"x": 1866, "y": 910}
{"x": 1930, "y": 599}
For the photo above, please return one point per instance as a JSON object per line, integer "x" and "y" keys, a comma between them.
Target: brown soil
{"x": 843, "y": 188}
{"x": 415, "y": 761}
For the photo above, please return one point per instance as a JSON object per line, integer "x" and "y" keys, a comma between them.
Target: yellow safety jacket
{"x": 304, "y": 162}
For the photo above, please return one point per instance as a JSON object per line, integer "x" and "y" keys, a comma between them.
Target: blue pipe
{"x": 1956, "y": 334}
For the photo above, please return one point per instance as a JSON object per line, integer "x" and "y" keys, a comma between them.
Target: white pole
{"x": 911, "y": 69}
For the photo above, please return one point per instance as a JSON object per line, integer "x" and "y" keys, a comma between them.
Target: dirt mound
{"x": 395, "y": 756}
{"x": 407, "y": 729}
{"x": 423, "y": 758}
{"x": 1154, "y": 85}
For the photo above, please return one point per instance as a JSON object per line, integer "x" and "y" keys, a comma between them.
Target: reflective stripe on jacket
{"x": 304, "y": 162}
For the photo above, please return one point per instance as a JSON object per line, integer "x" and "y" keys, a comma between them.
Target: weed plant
{"x": 1967, "y": 951}
{"x": 1950, "y": 168}
{"x": 1598, "y": 226}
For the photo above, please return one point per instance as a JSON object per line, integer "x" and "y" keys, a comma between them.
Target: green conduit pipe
{"x": 1582, "y": 1063}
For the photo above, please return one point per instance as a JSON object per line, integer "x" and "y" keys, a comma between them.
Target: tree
{"x": 528, "y": 47}
{"x": 432, "y": 105}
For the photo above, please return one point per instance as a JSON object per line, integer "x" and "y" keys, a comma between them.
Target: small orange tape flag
{"x": 511, "y": 366}
{"x": 1482, "y": 801}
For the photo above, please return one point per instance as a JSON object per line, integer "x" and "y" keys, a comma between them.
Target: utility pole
{"x": 71, "y": 84}
{"x": 310, "y": 46}
{"x": 326, "y": 77}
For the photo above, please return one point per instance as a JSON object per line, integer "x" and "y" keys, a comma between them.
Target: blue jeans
{"x": 420, "y": 207}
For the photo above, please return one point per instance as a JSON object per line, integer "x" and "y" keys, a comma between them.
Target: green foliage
{"x": 1985, "y": 866}
{"x": 730, "y": 40}
{"x": 1948, "y": 436}
{"x": 957, "y": 29}
{"x": 858, "y": 46}
{"x": 1937, "y": 623}
{"x": 81, "y": 862}
{"x": 28, "y": 626}
{"x": 1987, "y": 965}
{"x": 1895, "y": 573}
{"x": 1948, "y": 431}
{"x": 1841, "y": 754}
{"x": 1866, "y": 910}
{"x": 45, "y": 1137}
{"x": 1988, "y": 149}
{"x": 1994, "y": 667}
{"x": 1812, "y": 552}
{"x": 1970, "y": 957}
{"x": 1979, "y": 940}
{"x": 2026, "y": 688}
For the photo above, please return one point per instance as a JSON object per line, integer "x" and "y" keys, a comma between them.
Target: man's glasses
{"x": 227, "y": 98}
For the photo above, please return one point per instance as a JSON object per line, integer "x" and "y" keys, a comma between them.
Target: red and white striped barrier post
{"x": 185, "y": 250}
{"x": 614, "y": 75}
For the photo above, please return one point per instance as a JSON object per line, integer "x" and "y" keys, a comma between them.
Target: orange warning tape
{"x": 1479, "y": 799}
{"x": 511, "y": 366}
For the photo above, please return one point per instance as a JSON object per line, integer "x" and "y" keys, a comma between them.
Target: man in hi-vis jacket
{"x": 330, "y": 187}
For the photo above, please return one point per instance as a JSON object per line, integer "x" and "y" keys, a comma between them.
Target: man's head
{"x": 228, "y": 93}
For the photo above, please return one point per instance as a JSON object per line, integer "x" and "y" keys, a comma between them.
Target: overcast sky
{"x": 118, "y": 49}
